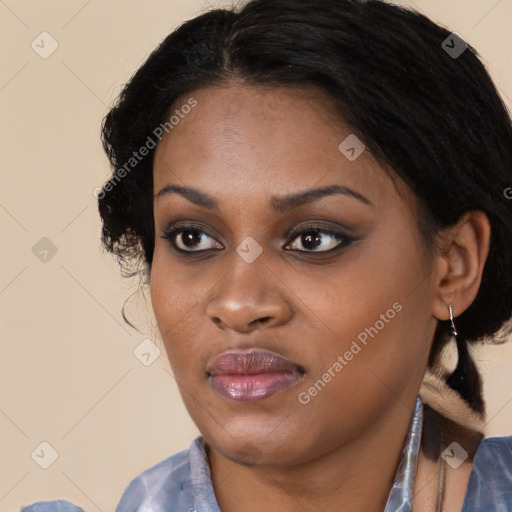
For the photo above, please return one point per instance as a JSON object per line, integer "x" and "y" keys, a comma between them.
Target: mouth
{"x": 252, "y": 376}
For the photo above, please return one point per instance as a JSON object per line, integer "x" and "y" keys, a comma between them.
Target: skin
{"x": 242, "y": 145}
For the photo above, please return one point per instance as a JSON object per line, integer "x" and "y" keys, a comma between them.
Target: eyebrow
{"x": 280, "y": 204}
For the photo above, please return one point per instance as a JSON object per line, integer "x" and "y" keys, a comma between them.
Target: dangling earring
{"x": 465, "y": 379}
{"x": 454, "y": 331}
{"x": 457, "y": 379}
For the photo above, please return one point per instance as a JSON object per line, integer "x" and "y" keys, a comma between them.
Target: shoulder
{"x": 490, "y": 482}
{"x": 154, "y": 488}
{"x": 52, "y": 506}
{"x": 175, "y": 484}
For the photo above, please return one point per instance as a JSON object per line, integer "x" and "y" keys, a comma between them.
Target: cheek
{"x": 176, "y": 303}
{"x": 375, "y": 309}
{"x": 163, "y": 296}
{"x": 170, "y": 305}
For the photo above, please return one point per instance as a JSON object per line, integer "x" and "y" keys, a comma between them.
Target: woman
{"x": 314, "y": 192}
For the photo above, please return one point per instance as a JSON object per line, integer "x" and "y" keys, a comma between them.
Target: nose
{"x": 249, "y": 297}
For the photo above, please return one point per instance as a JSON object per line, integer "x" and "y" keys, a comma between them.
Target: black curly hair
{"x": 434, "y": 117}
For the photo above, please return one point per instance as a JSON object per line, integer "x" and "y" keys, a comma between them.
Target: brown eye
{"x": 318, "y": 239}
{"x": 190, "y": 239}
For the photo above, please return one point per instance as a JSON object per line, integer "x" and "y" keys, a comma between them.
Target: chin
{"x": 259, "y": 449}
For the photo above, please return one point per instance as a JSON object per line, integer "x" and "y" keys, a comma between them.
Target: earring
{"x": 454, "y": 331}
{"x": 465, "y": 379}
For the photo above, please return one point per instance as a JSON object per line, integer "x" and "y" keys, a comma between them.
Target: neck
{"x": 359, "y": 474}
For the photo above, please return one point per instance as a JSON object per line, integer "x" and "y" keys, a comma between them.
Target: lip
{"x": 252, "y": 376}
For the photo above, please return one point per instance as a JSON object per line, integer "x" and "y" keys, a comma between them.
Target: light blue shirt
{"x": 182, "y": 482}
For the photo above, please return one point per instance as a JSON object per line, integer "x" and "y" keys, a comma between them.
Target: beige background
{"x": 69, "y": 376}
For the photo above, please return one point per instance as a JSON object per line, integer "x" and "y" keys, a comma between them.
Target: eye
{"x": 319, "y": 239}
{"x": 190, "y": 239}
{"x": 313, "y": 239}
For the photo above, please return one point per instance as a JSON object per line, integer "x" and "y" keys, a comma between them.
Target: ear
{"x": 460, "y": 259}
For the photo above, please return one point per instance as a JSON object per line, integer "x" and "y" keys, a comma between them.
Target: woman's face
{"x": 291, "y": 326}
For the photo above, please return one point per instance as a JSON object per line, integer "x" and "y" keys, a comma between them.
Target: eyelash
{"x": 343, "y": 239}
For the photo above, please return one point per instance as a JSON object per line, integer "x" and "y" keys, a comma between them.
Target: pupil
{"x": 308, "y": 238}
{"x": 189, "y": 236}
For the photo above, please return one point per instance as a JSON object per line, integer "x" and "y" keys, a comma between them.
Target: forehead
{"x": 256, "y": 140}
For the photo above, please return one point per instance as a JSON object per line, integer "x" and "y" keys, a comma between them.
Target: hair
{"x": 435, "y": 119}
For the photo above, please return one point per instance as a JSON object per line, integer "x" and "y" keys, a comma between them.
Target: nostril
{"x": 217, "y": 321}
{"x": 262, "y": 320}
